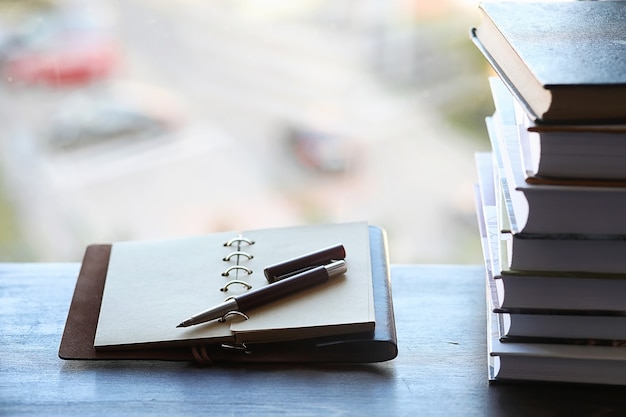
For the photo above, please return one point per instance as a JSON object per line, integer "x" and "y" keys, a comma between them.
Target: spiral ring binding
{"x": 201, "y": 356}
{"x": 240, "y": 347}
{"x": 237, "y": 254}
{"x": 235, "y": 281}
{"x": 236, "y": 267}
{"x": 239, "y": 239}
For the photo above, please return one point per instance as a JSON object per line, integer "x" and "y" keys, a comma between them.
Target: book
{"x": 518, "y": 291}
{"x": 377, "y": 344}
{"x": 567, "y": 66}
{"x": 572, "y": 154}
{"x": 605, "y": 255}
{"x": 566, "y": 327}
{"x": 552, "y": 362}
{"x": 565, "y": 154}
{"x": 550, "y": 208}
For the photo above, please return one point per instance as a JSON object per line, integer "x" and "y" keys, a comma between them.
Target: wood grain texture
{"x": 440, "y": 370}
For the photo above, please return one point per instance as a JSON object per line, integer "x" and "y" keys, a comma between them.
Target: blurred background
{"x": 141, "y": 119}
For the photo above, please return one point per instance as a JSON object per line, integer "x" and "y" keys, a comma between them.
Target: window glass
{"x": 144, "y": 119}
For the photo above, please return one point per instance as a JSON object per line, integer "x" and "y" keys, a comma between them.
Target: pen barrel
{"x": 282, "y": 288}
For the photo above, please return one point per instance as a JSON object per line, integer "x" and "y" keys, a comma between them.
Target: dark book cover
{"x": 564, "y": 60}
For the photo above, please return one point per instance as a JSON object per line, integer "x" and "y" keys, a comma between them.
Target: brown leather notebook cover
{"x": 77, "y": 341}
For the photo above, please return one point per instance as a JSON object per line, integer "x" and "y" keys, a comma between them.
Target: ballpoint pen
{"x": 269, "y": 293}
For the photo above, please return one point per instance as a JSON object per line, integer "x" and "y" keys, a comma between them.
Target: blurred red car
{"x": 61, "y": 51}
{"x": 73, "y": 64}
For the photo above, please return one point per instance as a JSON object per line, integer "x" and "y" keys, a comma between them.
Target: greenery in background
{"x": 460, "y": 68}
{"x": 467, "y": 111}
{"x": 11, "y": 246}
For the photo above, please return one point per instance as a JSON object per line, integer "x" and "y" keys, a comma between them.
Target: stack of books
{"x": 551, "y": 195}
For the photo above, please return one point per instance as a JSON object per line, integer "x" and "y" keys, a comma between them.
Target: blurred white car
{"x": 103, "y": 121}
{"x": 321, "y": 150}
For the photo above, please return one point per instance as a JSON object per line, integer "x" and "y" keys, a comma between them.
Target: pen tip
{"x": 181, "y": 325}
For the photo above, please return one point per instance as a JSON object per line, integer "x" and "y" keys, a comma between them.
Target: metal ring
{"x": 232, "y": 313}
{"x": 240, "y": 347}
{"x": 231, "y": 268}
{"x": 239, "y": 239}
{"x": 237, "y": 253}
{"x": 235, "y": 281}
{"x": 201, "y": 355}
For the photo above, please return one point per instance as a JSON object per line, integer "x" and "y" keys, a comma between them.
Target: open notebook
{"x": 137, "y": 321}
